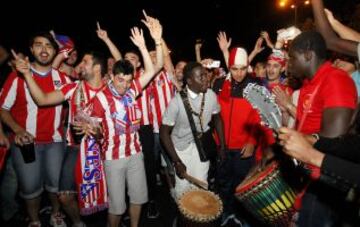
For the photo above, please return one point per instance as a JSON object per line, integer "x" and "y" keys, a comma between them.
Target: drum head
{"x": 200, "y": 205}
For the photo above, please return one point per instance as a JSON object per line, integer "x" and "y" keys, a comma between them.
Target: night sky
{"x": 183, "y": 21}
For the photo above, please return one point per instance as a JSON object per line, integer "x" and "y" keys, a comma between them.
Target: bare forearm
{"x": 41, "y": 98}
{"x": 333, "y": 42}
{"x": 345, "y": 32}
{"x": 219, "y": 127}
{"x": 10, "y": 121}
{"x": 226, "y": 55}
{"x": 58, "y": 60}
{"x": 252, "y": 56}
{"x": 149, "y": 70}
{"x": 159, "y": 56}
{"x": 168, "y": 64}
{"x": 113, "y": 49}
{"x": 197, "y": 54}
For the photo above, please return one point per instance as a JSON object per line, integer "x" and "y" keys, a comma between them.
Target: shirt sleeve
{"x": 213, "y": 99}
{"x": 171, "y": 112}
{"x": 339, "y": 90}
{"x": 136, "y": 88}
{"x": 9, "y": 91}
{"x": 68, "y": 90}
{"x": 341, "y": 171}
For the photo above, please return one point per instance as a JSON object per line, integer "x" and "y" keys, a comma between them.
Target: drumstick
{"x": 196, "y": 181}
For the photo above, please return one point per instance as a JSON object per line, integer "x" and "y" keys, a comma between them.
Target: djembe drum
{"x": 199, "y": 208}
{"x": 266, "y": 195}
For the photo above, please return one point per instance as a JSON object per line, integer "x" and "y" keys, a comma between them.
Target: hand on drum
{"x": 297, "y": 146}
{"x": 180, "y": 169}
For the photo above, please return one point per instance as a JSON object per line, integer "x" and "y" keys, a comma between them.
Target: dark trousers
{"x": 147, "y": 142}
{"x": 230, "y": 174}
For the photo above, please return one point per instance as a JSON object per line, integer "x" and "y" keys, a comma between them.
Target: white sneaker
{"x": 57, "y": 220}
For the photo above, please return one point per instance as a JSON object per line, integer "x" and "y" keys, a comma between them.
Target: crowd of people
{"x": 97, "y": 133}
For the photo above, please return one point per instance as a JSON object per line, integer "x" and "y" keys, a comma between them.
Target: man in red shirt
{"x": 326, "y": 104}
{"x": 78, "y": 94}
{"x": 241, "y": 124}
{"x": 41, "y": 125}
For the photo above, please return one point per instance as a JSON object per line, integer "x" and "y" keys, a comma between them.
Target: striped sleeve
{"x": 8, "y": 92}
{"x": 136, "y": 88}
{"x": 68, "y": 90}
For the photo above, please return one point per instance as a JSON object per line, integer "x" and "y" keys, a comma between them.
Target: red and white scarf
{"x": 90, "y": 178}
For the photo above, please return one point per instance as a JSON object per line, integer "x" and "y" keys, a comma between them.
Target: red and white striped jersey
{"x": 120, "y": 120}
{"x": 163, "y": 91}
{"x": 79, "y": 90}
{"x": 143, "y": 101}
{"x": 44, "y": 123}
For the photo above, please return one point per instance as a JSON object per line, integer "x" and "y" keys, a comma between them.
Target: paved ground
{"x": 166, "y": 206}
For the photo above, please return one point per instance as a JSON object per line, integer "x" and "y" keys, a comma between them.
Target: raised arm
{"x": 257, "y": 49}
{"x": 267, "y": 39}
{"x": 224, "y": 44}
{"x": 41, "y": 98}
{"x": 342, "y": 30}
{"x": 60, "y": 57}
{"x": 155, "y": 30}
{"x": 102, "y": 34}
{"x": 198, "y": 45}
{"x": 137, "y": 38}
{"x": 168, "y": 64}
{"x": 333, "y": 42}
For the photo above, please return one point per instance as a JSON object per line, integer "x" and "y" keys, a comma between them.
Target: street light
{"x": 294, "y": 4}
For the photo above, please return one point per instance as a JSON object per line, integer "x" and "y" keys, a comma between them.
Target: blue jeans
{"x": 8, "y": 190}
{"x": 45, "y": 170}
{"x": 67, "y": 177}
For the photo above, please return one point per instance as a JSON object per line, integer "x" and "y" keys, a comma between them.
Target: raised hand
{"x": 137, "y": 37}
{"x": 224, "y": 42}
{"x": 102, "y": 34}
{"x": 282, "y": 98}
{"x": 330, "y": 16}
{"x": 258, "y": 45}
{"x": 198, "y": 44}
{"x": 154, "y": 27}
{"x": 267, "y": 39}
{"x": 22, "y": 65}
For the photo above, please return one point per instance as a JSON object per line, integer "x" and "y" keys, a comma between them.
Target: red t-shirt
{"x": 71, "y": 93}
{"x": 120, "y": 120}
{"x": 163, "y": 92}
{"x": 335, "y": 89}
{"x": 44, "y": 123}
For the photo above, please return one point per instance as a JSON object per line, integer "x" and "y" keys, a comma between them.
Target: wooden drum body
{"x": 267, "y": 196}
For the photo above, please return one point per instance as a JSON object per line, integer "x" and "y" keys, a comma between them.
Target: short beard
{"x": 49, "y": 63}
